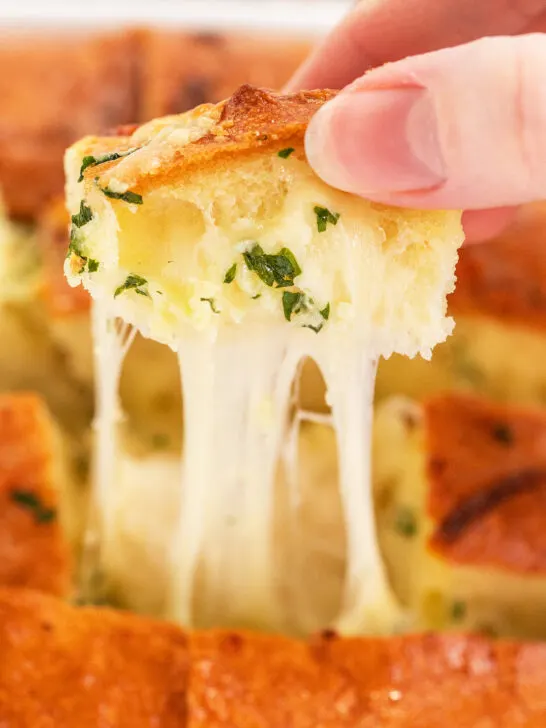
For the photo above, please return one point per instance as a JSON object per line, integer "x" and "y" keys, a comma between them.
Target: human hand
{"x": 460, "y": 127}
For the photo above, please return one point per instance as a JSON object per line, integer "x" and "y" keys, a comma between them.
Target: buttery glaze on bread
{"x": 61, "y": 667}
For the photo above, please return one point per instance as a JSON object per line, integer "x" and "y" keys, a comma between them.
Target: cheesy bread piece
{"x": 183, "y": 70}
{"x": 460, "y": 484}
{"x": 499, "y": 307}
{"x": 54, "y": 88}
{"x": 209, "y": 232}
{"x": 63, "y": 666}
{"x": 38, "y": 514}
{"x": 150, "y": 394}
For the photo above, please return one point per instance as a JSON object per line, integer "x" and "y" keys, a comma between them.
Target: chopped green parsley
{"x": 285, "y": 153}
{"x": 324, "y": 216}
{"x": 84, "y": 216}
{"x": 91, "y": 161}
{"x": 230, "y": 274}
{"x": 31, "y": 502}
{"x": 133, "y": 283}
{"x": 458, "y": 611}
{"x": 277, "y": 269}
{"x": 405, "y": 523}
{"x": 131, "y": 197}
{"x": 293, "y": 302}
{"x": 212, "y": 304}
{"x": 325, "y": 312}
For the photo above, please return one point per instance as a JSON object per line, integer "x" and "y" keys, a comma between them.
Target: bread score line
{"x": 62, "y": 666}
{"x": 209, "y": 232}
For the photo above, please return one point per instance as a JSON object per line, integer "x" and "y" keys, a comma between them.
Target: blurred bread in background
{"x": 460, "y": 496}
{"x": 39, "y": 520}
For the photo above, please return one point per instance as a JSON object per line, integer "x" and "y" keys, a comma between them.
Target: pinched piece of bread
{"x": 499, "y": 306}
{"x": 183, "y": 221}
{"x": 461, "y": 489}
{"x": 34, "y": 548}
{"x": 61, "y": 667}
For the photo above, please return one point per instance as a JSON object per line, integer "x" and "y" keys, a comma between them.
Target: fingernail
{"x": 377, "y": 141}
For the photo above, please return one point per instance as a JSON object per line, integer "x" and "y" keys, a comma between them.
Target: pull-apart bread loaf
{"x": 62, "y": 667}
{"x": 209, "y": 232}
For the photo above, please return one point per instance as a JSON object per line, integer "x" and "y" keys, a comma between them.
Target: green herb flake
{"x": 405, "y": 523}
{"x": 285, "y": 153}
{"x": 133, "y": 283}
{"x": 316, "y": 329}
{"x": 92, "y": 265}
{"x": 293, "y": 303}
{"x": 324, "y": 216}
{"x": 258, "y": 295}
{"x": 92, "y": 161}
{"x": 277, "y": 269}
{"x": 458, "y": 611}
{"x": 84, "y": 216}
{"x": 325, "y": 313}
{"x": 31, "y": 501}
{"x": 212, "y": 304}
{"x": 131, "y": 197}
{"x": 230, "y": 274}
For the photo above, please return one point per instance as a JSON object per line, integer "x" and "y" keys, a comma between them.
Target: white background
{"x": 315, "y": 16}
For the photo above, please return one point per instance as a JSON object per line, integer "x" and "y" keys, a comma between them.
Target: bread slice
{"x": 90, "y": 82}
{"x": 38, "y": 519}
{"x": 460, "y": 484}
{"x": 63, "y": 666}
{"x": 209, "y": 232}
{"x": 499, "y": 307}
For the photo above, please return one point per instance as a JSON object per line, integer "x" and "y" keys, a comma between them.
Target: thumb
{"x": 463, "y": 127}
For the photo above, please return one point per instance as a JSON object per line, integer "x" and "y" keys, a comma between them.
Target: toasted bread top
{"x": 169, "y": 148}
{"x": 486, "y": 466}
{"x": 33, "y": 550}
{"x": 505, "y": 278}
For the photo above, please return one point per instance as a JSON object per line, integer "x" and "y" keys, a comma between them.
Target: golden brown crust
{"x": 401, "y": 682}
{"x": 486, "y": 469}
{"x": 180, "y": 70}
{"x": 61, "y": 667}
{"x": 33, "y": 550}
{"x": 60, "y": 298}
{"x": 252, "y": 120}
{"x": 506, "y": 277}
{"x": 54, "y": 89}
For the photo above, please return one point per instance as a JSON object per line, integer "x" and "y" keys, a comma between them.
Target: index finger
{"x": 378, "y": 31}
